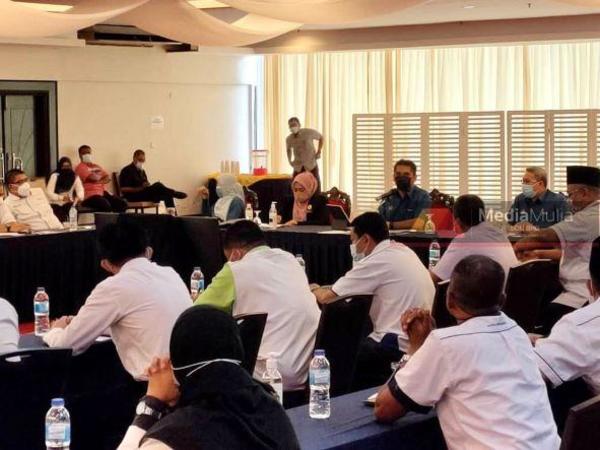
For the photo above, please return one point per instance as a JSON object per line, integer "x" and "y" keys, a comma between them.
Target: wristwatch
{"x": 150, "y": 406}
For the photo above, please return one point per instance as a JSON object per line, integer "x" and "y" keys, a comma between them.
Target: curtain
{"x": 324, "y": 90}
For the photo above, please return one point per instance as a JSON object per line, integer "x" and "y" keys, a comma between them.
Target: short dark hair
{"x": 243, "y": 234}
{"x": 373, "y": 224}
{"x": 138, "y": 152}
{"x": 12, "y": 174}
{"x": 595, "y": 263}
{"x": 469, "y": 209}
{"x": 406, "y": 162}
{"x": 119, "y": 242}
{"x": 82, "y": 148}
{"x": 477, "y": 284}
{"x": 293, "y": 119}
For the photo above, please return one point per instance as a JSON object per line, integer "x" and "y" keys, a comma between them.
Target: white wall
{"x": 107, "y": 96}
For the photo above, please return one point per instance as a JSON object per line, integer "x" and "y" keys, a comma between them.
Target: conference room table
{"x": 352, "y": 426}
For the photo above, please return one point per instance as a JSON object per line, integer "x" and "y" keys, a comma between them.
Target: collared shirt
{"x": 34, "y": 211}
{"x": 301, "y": 147}
{"x": 576, "y": 235}
{"x": 140, "y": 305}
{"x": 398, "y": 280}
{"x": 483, "y": 380}
{"x": 482, "y": 239}
{"x": 9, "y": 328}
{"x": 91, "y": 188}
{"x": 75, "y": 191}
{"x": 396, "y": 208}
{"x": 271, "y": 280}
{"x": 572, "y": 349}
{"x": 543, "y": 211}
{"x": 131, "y": 176}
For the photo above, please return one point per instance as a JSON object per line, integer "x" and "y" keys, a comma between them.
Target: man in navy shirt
{"x": 401, "y": 206}
{"x": 536, "y": 206}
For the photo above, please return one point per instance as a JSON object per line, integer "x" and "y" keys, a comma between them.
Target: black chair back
{"x": 525, "y": 290}
{"x": 251, "y": 328}
{"x": 440, "y": 313}
{"x": 581, "y": 430}
{"x": 29, "y": 380}
{"x": 341, "y": 329}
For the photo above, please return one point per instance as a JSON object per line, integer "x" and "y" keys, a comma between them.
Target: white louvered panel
{"x": 406, "y": 136}
{"x": 527, "y": 145}
{"x": 570, "y": 138}
{"x": 485, "y": 150}
{"x": 444, "y": 141}
{"x": 369, "y": 160}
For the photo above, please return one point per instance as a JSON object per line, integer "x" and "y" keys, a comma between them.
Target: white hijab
{"x": 227, "y": 189}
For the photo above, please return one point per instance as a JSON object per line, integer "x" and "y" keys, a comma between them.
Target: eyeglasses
{"x": 20, "y": 182}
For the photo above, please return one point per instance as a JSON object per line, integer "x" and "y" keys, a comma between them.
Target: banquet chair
{"x": 439, "y": 311}
{"x": 29, "y": 380}
{"x": 251, "y": 328}
{"x": 136, "y": 206}
{"x": 339, "y": 198}
{"x": 343, "y": 325}
{"x": 525, "y": 288}
{"x": 581, "y": 430}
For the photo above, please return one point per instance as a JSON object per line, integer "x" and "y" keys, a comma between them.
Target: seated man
{"x": 9, "y": 328}
{"x": 27, "y": 206}
{"x": 481, "y": 375}
{"x": 8, "y": 223}
{"x": 398, "y": 280}
{"x": 477, "y": 237}
{"x": 574, "y": 236}
{"x": 139, "y": 303}
{"x": 259, "y": 279}
{"x": 404, "y": 204}
{"x": 136, "y": 188}
{"x": 537, "y": 206}
{"x": 202, "y": 398}
{"x": 95, "y": 179}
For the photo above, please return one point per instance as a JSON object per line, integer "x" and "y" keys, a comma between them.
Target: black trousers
{"x": 315, "y": 172}
{"x": 552, "y": 314}
{"x": 62, "y": 211}
{"x": 373, "y": 366}
{"x": 105, "y": 203}
{"x": 156, "y": 193}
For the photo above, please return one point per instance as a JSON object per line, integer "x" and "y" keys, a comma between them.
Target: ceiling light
{"x": 205, "y": 4}
{"x": 48, "y": 6}
{"x": 469, "y": 6}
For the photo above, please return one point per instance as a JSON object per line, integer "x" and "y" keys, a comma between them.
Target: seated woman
{"x": 306, "y": 207}
{"x": 217, "y": 405}
{"x": 64, "y": 188}
{"x": 231, "y": 204}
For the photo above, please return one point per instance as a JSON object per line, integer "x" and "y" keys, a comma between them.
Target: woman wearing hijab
{"x": 306, "y": 207}
{"x": 64, "y": 188}
{"x": 231, "y": 204}
{"x": 217, "y": 405}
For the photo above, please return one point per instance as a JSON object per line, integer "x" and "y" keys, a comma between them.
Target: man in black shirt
{"x": 136, "y": 188}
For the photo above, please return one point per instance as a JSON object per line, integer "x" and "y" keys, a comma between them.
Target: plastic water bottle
{"x": 434, "y": 254}
{"x": 249, "y": 212}
{"x": 272, "y": 377}
{"x": 301, "y": 261}
{"x": 41, "y": 311}
{"x": 73, "y": 218}
{"x": 196, "y": 283}
{"x": 58, "y": 426}
{"x": 320, "y": 379}
{"x": 273, "y": 214}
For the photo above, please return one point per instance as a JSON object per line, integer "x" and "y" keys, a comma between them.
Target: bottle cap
{"x": 41, "y": 289}
{"x": 272, "y": 361}
{"x": 319, "y": 352}
{"x": 196, "y": 269}
{"x": 298, "y": 255}
{"x": 57, "y": 402}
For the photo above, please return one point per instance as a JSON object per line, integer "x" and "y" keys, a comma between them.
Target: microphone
{"x": 386, "y": 195}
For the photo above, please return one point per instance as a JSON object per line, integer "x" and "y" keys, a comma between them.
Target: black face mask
{"x": 403, "y": 183}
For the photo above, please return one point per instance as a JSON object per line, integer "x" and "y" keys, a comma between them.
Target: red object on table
{"x": 442, "y": 218}
{"x": 26, "y": 328}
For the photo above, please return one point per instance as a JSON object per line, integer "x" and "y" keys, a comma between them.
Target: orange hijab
{"x": 302, "y": 199}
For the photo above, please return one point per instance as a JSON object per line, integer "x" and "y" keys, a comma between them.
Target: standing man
{"x": 136, "y": 188}
{"x": 537, "y": 206}
{"x": 95, "y": 179}
{"x": 301, "y": 145}
{"x": 402, "y": 206}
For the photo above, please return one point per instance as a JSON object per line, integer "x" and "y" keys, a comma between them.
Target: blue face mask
{"x": 528, "y": 191}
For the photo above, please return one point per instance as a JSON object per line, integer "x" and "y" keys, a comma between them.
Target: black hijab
{"x": 221, "y": 406}
{"x": 66, "y": 177}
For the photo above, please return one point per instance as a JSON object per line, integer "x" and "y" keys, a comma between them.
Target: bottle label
{"x": 319, "y": 377}
{"x": 58, "y": 432}
{"x": 197, "y": 285}
{"x": 41, "y": 307}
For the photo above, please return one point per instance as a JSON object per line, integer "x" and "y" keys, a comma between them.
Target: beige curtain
{"x": 325, "y": 89}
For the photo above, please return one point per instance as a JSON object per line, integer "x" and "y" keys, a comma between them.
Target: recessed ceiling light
{"x": 48, "y": 6}
{"x": 205, "y": 4}
{"x": 469, "y": 6}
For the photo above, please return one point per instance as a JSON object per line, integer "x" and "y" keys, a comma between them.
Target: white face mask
{"x": 294, "y": 129}
{"x": 86, "y": 158}
{"x": 139, "y": 165}
{"x": 24, "y": 190}
{"x": 356, "y": 255}
{"x": 527, "y": 190}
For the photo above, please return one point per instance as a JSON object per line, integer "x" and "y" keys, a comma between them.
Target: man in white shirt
{"x": 138, "y": 304}
{"x": 259, "y": 279}
{"x": 481, "y": 376}
{"x": 574, "y": 236}
{"x": 477, "y": 237}
{"x": 26, "y": 205}
{"x": 398, "y": 281}
{"x": 300, "y": 147}
{"x": 9, "y": 328}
